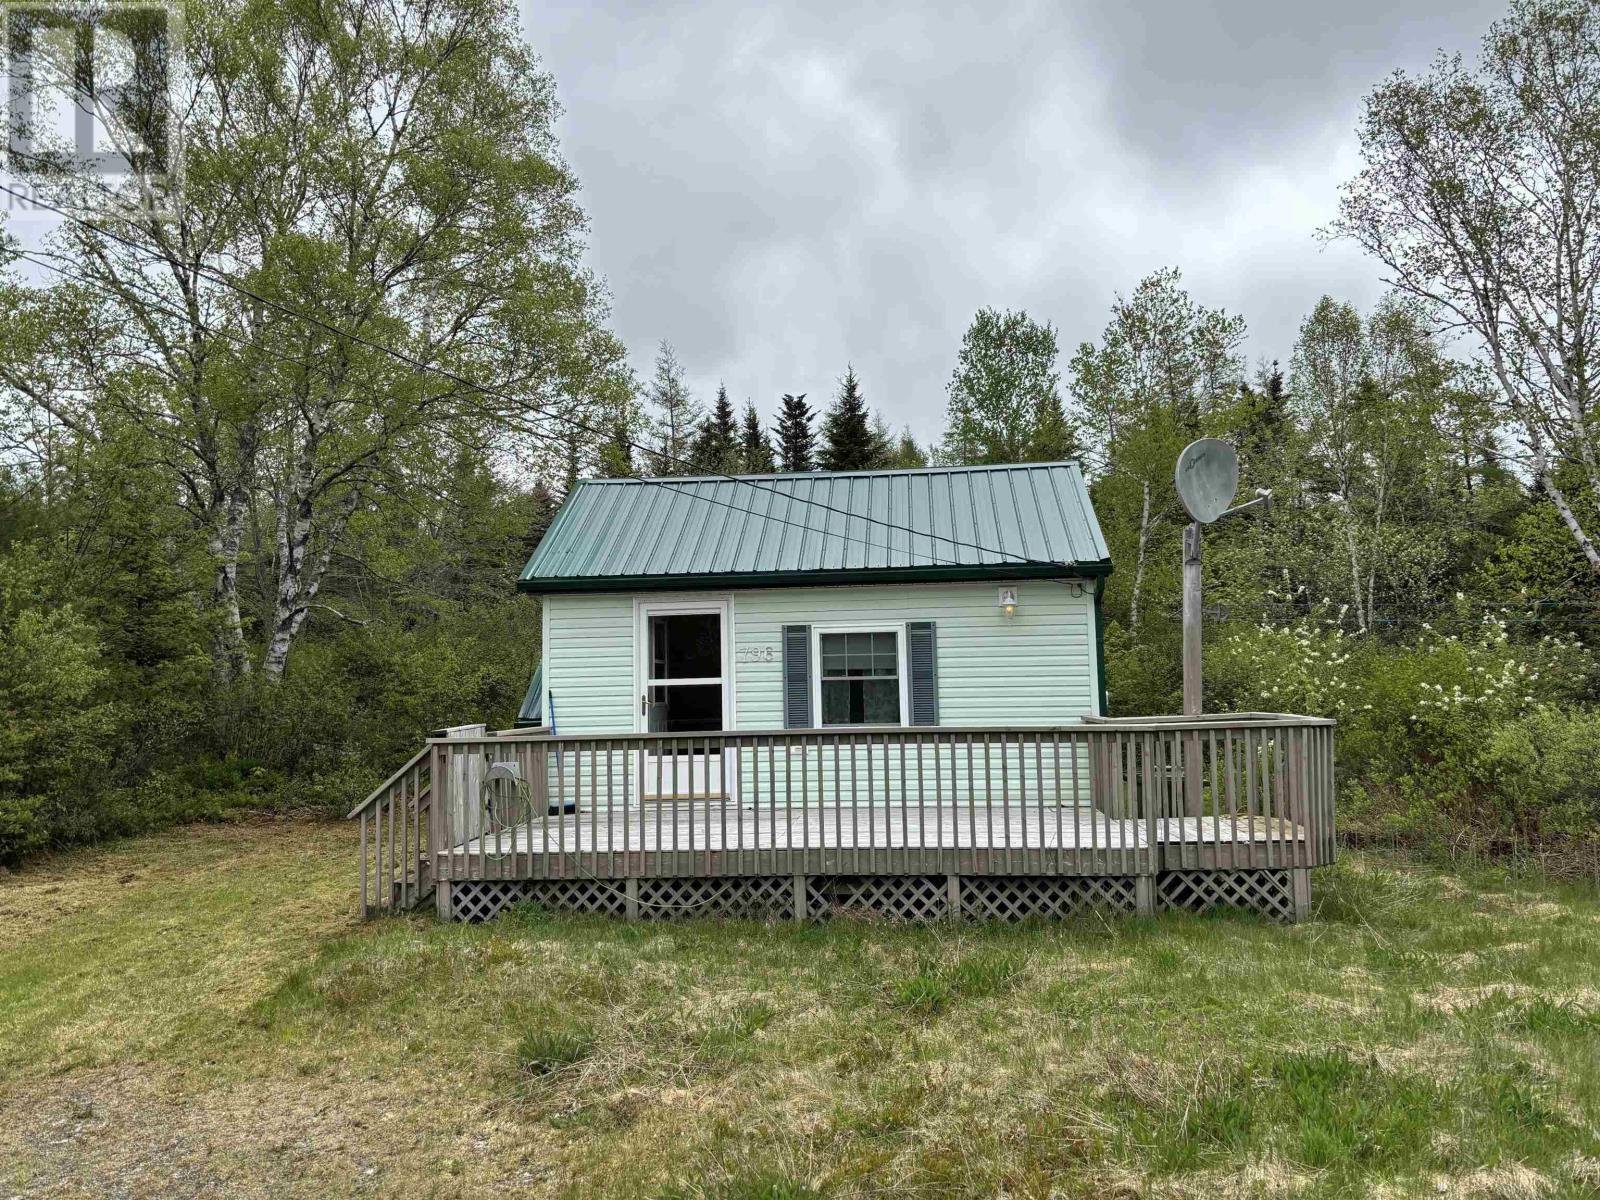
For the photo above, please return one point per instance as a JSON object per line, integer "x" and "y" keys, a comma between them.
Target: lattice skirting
{"x": 897, "y": 897}
{"x": 1024, "y": 897}
{"x": 756, "y": 897}
{"x": 1270, "y": 893}
{"x": 750, "y": 896}
{"x": 485, "y": 899}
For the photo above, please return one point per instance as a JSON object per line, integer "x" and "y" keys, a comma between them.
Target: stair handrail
{"x": 383, "y": 787}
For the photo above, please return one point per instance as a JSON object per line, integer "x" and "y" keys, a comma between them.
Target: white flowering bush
{"x": 1489, "y": 679}
{"x": 1451, "y": 726}
{"x": 1302, "y": 668}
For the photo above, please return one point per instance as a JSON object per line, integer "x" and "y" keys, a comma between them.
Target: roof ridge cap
{"x": 784, "y": 475}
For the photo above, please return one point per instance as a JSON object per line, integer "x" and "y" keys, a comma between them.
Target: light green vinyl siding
{"x": 1035, "y": 667}
{"x": 588, "y": 663}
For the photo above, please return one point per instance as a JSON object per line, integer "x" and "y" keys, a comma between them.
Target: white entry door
{"x": 685, "y": 689}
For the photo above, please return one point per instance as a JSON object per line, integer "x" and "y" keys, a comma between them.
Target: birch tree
{"x": 1477, "y": 195}
{"x": 1005, "y": 396}
{"x": 373, "y": 260}
{"x": 1366, "y": 392}
{"x": 1162, "y": 366}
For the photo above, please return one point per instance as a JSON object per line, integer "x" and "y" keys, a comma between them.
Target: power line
{"x": 463, "y": 381}
{"x": 674, "y": 485}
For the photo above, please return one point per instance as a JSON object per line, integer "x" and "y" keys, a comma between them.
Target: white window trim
{"x": 895, "y": 627}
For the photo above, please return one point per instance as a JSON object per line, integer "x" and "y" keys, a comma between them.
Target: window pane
{"x": 860, "y": 653}
{"x": 833, "y": 653}
{"x": 881, "y": 701}
{"x": 836, "y": 701}
{"x": 885, "y": 659}
{"x": 857, "y": 701}
{"x": 685, "y": 708}
{"x": 686, "y": 646}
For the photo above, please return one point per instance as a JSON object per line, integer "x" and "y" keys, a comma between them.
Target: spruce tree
{"x": 757, "y": 450}
{"x": 675, "y": 414}
{"x": 717, "y": 450}
{"x": 797, "y": 441}
{"x": 882, "y": 457}
{"x": 905, "y": 454}
{"x": 849, "y": 441}
{"x": 616, "y": 453}
{"x": 541, "y": 507}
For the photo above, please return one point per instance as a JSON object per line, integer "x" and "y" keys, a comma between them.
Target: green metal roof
{"x": 944, "y": 523}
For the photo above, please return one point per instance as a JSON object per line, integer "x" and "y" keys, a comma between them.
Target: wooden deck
{"x": 1132, "y": 810}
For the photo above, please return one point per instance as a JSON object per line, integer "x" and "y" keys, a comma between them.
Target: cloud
{"x": 784, "y": 189}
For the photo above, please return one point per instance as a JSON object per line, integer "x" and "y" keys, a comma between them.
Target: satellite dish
{"x": 1208, "y": 477}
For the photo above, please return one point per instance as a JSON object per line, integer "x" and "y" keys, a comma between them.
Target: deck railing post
{"x": 441, "y": 830}
{"x": 1144, "y": 894}
{"x": 438, "y": 829}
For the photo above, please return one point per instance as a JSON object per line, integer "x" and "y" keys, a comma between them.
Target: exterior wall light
{"x": 1008, "y": 601}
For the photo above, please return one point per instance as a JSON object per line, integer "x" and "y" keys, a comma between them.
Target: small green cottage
{"x": 961, "y": 596}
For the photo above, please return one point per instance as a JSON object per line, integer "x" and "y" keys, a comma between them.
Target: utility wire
{"x": 463, "y": 381}
{"x": 674, "y": 485}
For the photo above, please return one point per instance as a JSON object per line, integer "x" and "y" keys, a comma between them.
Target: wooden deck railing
{"x": 396, "y": 820}
{"x": 1243, "y": 791}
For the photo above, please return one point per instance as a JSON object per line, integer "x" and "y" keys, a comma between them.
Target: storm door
{"x": 684, "y": 670}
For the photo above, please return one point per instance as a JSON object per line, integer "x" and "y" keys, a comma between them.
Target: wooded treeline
{"x": 275, "y": 449}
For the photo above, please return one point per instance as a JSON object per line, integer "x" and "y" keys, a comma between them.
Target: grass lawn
{"x": 198, "y": 1013}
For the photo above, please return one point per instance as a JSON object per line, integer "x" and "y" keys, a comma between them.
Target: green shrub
{"x": 1478, "y": 731}
{"x": 55, "y": 741}
{"x": 1540, "y": 771}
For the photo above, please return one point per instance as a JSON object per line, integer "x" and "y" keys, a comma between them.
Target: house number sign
{"x": 756, "y": 654}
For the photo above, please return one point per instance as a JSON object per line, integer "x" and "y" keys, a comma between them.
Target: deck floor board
{"x": 731, "y": 828}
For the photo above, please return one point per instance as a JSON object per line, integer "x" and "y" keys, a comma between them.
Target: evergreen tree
{"x": 757, "y": 450}
{"x": 616, "y": 455}
{"x": 797, "y": 440}
{"x": 883, "y": 448}
{"x": 542, "y": 504}
{"x": 904, "y": 453}
{"x": 676, "y": 416}
{"x": 717, "y": 450}
{"x": 849, "y": 441}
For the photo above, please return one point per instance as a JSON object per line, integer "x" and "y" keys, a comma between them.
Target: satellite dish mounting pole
{"x": 1207, "y": 478}
{"x": 1192, "y": 690}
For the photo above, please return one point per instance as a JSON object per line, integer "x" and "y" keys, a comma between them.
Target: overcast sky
{"x": 779, "y": 189}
